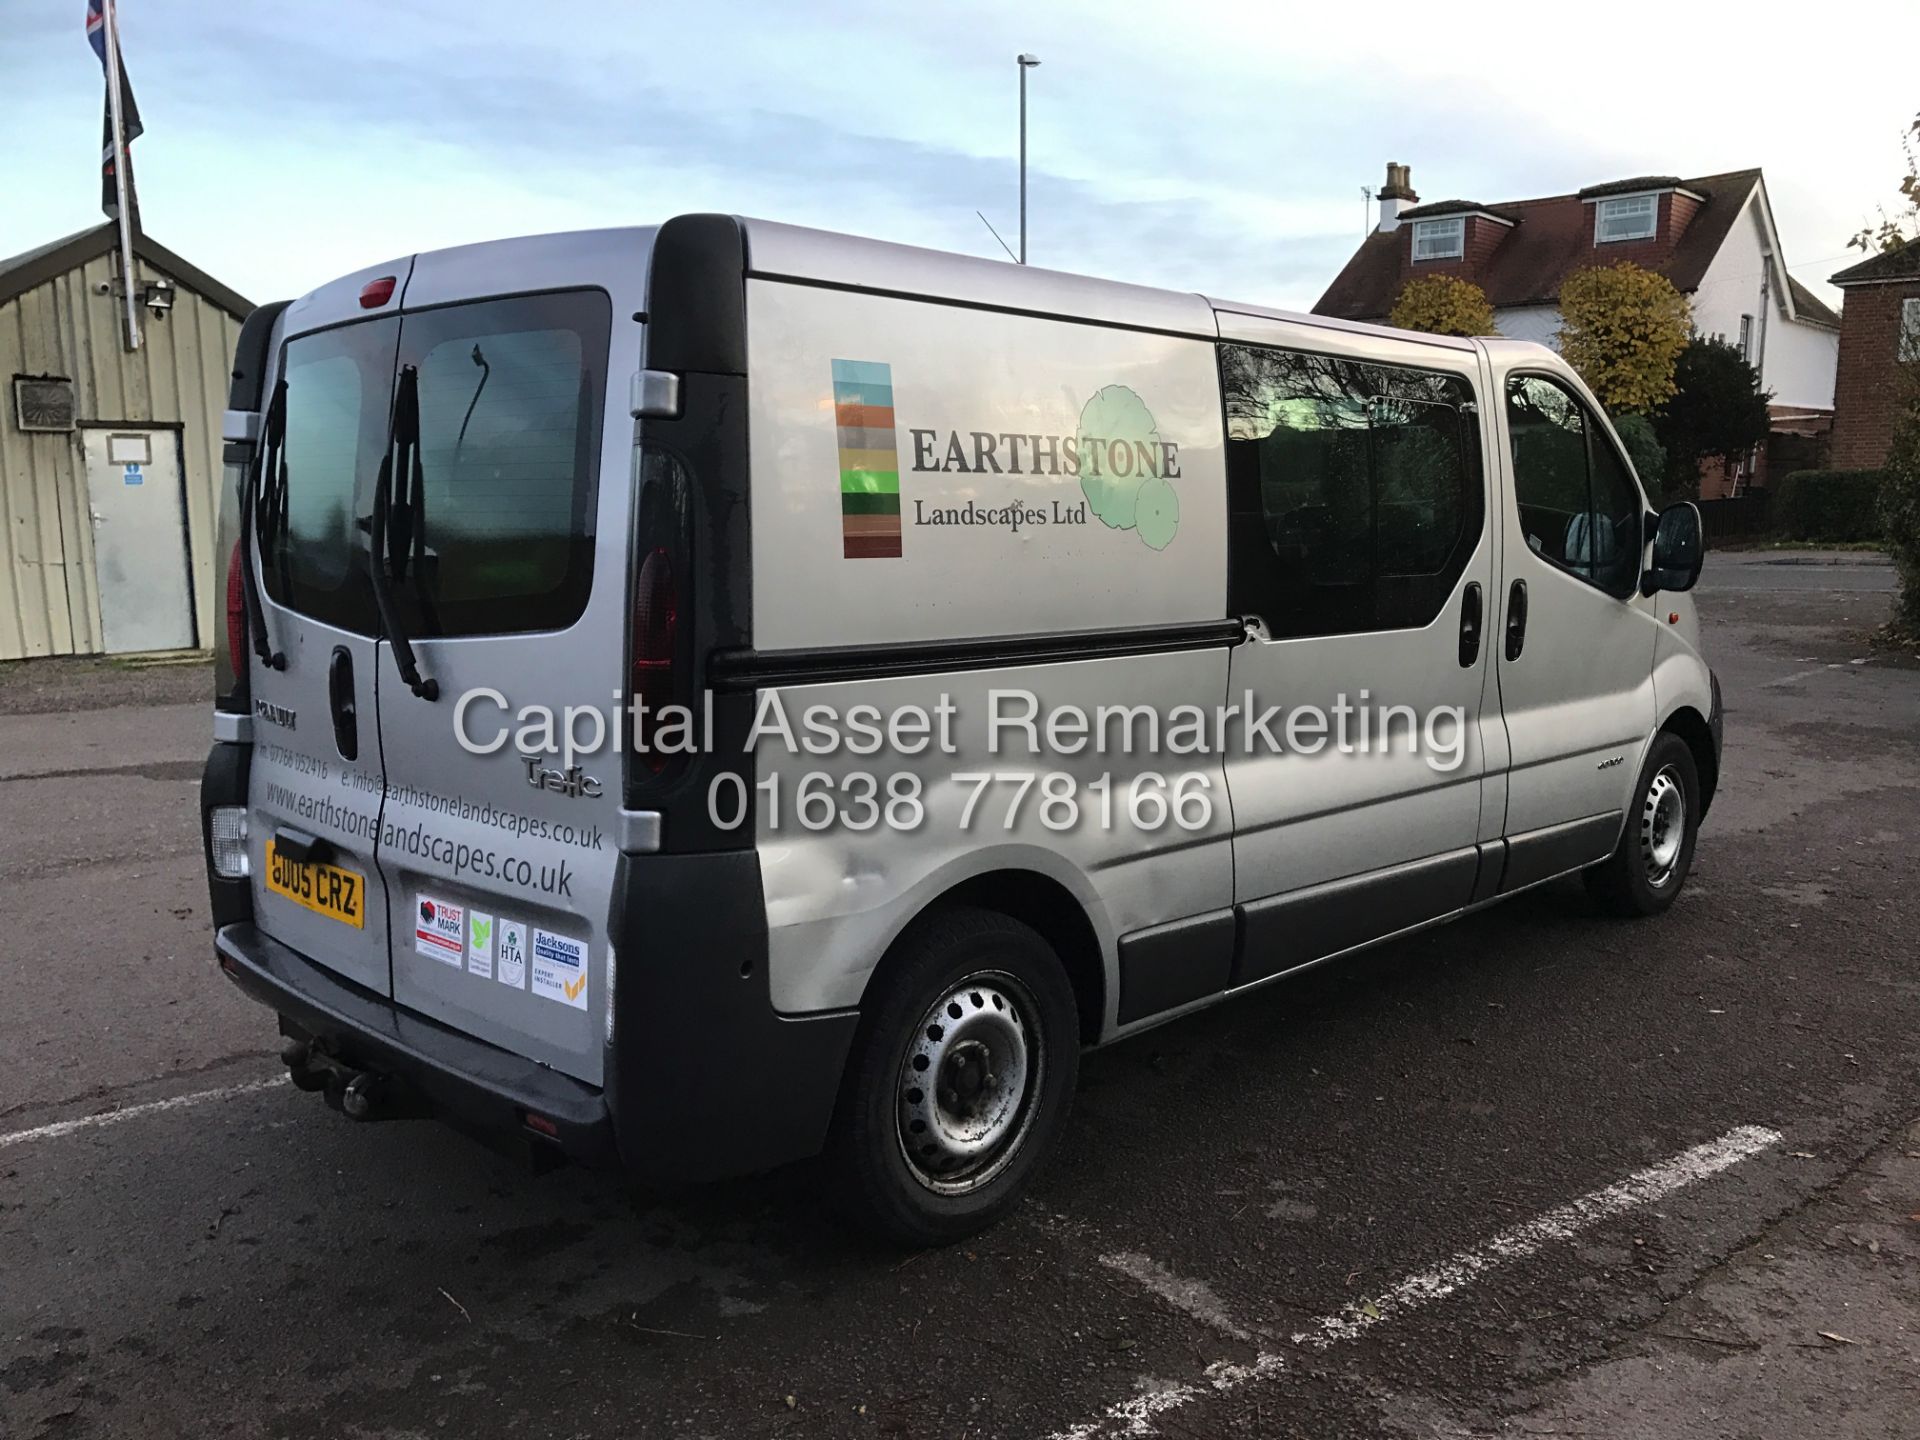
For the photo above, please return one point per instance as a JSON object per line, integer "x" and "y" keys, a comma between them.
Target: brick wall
{"x": 1866, "y": 389}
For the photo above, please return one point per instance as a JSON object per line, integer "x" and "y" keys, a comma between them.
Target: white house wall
{"x": 1800, "y": 359}
{"x": 1538, "y": 323}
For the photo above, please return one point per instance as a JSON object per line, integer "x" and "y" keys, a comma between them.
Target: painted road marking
{"x": 131, "y": 1112}
{"x": 1194, "y": 1297}
{"x": 1135, "y": 1416}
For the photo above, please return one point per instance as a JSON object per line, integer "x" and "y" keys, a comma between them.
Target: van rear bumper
{"x": 474, "y": 1085}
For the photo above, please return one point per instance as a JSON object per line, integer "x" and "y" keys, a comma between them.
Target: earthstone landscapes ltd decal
{"x": 1125, "y": 469}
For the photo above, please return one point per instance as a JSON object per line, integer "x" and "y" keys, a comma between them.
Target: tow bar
{"x": 358, "y": 1094}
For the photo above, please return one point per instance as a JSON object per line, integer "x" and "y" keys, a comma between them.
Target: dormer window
{"x": 1626, "y": 217}
{"x": 1440, "y": 239}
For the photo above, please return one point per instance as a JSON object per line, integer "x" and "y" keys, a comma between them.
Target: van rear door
{"x": 316, "y": 778}
{"x": 510, "y": 581}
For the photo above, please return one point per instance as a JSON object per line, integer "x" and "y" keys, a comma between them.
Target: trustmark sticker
{"x": 510, "y": 946}
{"x": 440, "y": 929}
{"x": 480, "y": 930}
{"x": 560, "y": 968}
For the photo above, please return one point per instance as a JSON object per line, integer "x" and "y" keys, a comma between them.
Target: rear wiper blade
{"x": 251, "y": 532}
{"x": 403, "y": 441}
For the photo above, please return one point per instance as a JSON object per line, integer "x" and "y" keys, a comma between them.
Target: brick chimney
{"x": 1396, "y": 195}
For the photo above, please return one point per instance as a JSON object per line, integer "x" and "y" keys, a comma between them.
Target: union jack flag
{"x": 129, "y": 112}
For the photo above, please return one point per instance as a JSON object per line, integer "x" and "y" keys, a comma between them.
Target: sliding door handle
{"x": 1470, "y": 616}
{"x": 1516, "y": 619}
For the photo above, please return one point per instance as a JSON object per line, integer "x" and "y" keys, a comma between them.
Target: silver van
{"x": 699, "y": 696}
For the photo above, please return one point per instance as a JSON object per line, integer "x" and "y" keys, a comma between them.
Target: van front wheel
{"x": 960, "y": 1080}
{"x": 1645, "y": 873}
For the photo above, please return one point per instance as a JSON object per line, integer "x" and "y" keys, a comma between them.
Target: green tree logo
{"x": 1117, "y": 433}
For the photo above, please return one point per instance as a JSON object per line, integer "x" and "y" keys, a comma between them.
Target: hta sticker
{"x": 480, "y": 944}
{"x": 439, "y": 930}
{"x": 560, "y": 968}
{"x": 511, "y": 954}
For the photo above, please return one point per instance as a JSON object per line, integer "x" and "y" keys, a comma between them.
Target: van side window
{"x": 1356, "y": 491}
{"x": 1579, "y": 507}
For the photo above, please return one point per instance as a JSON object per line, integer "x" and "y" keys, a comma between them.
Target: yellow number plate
{"x": 324, "y": 889}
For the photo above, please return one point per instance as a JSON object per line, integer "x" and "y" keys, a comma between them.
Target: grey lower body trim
{"x": 1173, "y": 965}
{"x": 1538, "y": 855}
{"x": 1288, "y": 931}
{"x": 232, "y": 729}
{"x": 637, "y": 832}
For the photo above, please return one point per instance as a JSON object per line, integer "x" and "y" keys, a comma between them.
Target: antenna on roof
{"x": 1366, "y": 210}
{"x": 996, "y": 235}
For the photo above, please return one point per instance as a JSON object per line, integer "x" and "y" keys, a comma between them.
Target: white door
{"x": 1575, "y": 635}
{"x": 140, "y": 557}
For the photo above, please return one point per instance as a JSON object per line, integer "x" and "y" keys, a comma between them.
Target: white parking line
{"x": 131, "y": 1112}
{"x": 1192, "y": 1296}
{"x": 1135, "y": 1416}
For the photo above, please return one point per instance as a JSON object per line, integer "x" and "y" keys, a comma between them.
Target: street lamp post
{"x": 1025, "y": 62}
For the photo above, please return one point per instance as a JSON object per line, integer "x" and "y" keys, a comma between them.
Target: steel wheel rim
{"x": 1663, "y": 826}
{"x": 968, "y": 1083}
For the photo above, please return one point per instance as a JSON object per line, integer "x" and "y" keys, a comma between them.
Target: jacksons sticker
{"x": 440, "y": 930}
{"x": 560, "y": 968}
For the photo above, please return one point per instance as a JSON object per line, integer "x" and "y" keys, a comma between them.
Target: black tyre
{"x": 1645, "y": 873}
{"x": 960, "y": 1079}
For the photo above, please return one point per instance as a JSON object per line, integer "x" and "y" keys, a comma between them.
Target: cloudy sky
{"x": 1200, "y": 144}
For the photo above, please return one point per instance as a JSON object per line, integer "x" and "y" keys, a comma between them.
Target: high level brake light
{"x": 656, "y": 624}
{"x": 376, "y": 293}
{"x": 236, "y": 611}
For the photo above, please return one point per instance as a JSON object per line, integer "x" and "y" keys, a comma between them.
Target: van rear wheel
{"x": 961, "y": 1077}
{"x": 1645, "y": 873}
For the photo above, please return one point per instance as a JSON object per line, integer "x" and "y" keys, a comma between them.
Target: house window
{"x": 1440, "y": 239}
{"x": 1910, "y": 329}
{"x": 1746, "y": 337}
{"x": 1630, "y": 217}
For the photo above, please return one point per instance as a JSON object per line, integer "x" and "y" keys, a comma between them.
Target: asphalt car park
{"x": 1523, "y": 1174}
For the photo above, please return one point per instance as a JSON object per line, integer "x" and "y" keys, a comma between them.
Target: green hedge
{"x": 1827, "y": 505}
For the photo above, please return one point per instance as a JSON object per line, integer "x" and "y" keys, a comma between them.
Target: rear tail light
{"x": 236, "y": 611}
{"x": 656, "y": 626}
{"x": 227, "y": 841}
{"x": 376, "y": 293}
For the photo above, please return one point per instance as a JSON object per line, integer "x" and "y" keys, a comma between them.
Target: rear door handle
{"x": 1516, "y": 619}
{"x": 1470, "y": 612}
{"x": 346, "y": 717}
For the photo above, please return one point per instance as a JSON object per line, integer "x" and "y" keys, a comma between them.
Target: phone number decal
{"x": 860, "y": 801}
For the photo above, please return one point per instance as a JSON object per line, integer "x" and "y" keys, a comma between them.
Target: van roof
{"x": 802, "y": 254}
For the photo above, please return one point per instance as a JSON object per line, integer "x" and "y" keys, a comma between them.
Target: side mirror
{"x": 1678, "y": 548}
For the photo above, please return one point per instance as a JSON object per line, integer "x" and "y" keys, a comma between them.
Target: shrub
{"x": 1900, "y": 504}
{"x": 1443, "y": 305}
{"x": 1623, "y": 327}
{"x": 1718, "y": 412}
{"x": 1828, "y": 505}
{"x": 1644, "y": 449}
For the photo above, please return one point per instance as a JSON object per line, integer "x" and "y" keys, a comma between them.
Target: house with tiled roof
{"x": 1879, "y": 335}
{"x": 1713, "y": 236}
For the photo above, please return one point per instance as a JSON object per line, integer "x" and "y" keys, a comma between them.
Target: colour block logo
{"x": 869, "y": 460}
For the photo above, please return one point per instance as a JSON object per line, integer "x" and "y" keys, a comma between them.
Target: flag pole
{"x": 120, "y": 187}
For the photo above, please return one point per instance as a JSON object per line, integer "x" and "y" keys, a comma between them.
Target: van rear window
{"x": 510, "y": 407}
{"x": 510, "y": 402}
